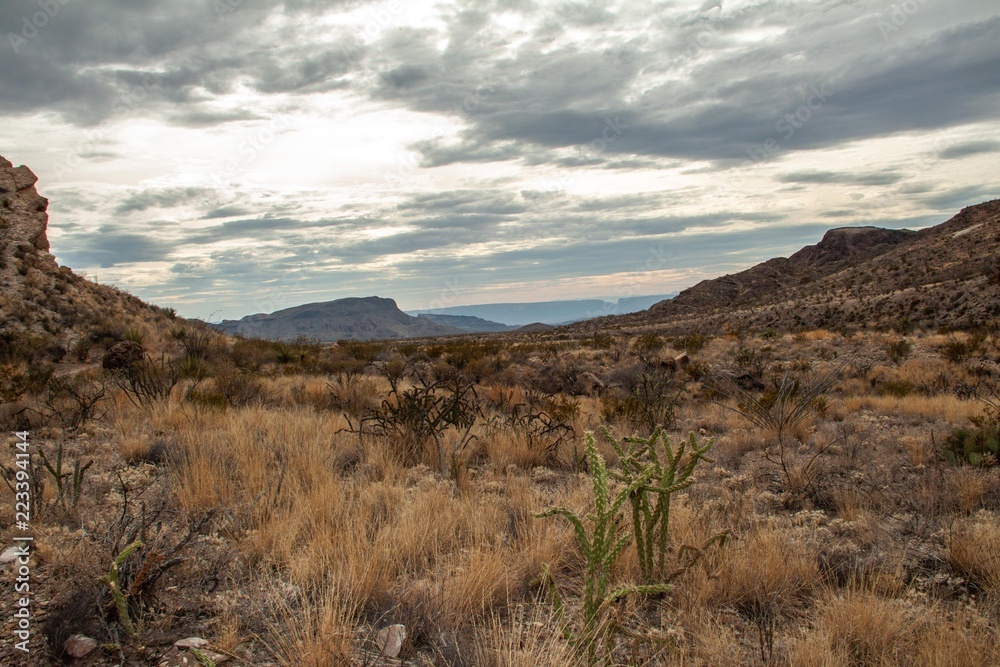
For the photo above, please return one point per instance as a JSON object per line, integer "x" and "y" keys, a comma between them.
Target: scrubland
{"x": 290, "y": 500}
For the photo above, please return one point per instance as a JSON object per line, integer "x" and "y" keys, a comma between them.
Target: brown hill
{"x": 856, "y": 277}
{"x": 366, "y": 318}
{"x": 46, "y": 309}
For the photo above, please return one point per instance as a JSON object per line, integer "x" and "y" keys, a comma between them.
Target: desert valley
{"x": 796, "y": 464}
{"x": 499, "y": 333}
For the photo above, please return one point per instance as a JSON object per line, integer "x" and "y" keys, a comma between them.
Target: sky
{"x": 227, "y": 157}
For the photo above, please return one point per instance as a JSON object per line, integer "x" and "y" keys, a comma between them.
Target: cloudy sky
{"x": 226, "y": 157}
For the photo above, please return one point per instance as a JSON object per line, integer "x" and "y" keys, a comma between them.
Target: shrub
{"x": 898, "y": 351}
{"x": 413, "y": 418}
{"x": 957, "y": 351}
{"x": 978, "y": 445}
{"x": 754, "y": 360}
{"x": 647, "y": 345}
{"x": 652, "y": 403}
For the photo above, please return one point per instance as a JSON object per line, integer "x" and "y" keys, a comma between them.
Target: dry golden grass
{"x": 332, "y": 536}
{"x": 974, "y": 552}
{"x": 950, "y": 408}
{"x": 523, "y": 642}
{"x": 312, "y": 630}
{"x": 869, "y": 629}
{"x": 944, "y": 643}
{"x": 766, "y": 576}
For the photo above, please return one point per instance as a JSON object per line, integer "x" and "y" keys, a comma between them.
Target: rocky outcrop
{"x": 45, "y": 308}
{"x": 22, "y": 208}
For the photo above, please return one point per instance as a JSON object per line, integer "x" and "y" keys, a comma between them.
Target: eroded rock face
{"x": 22, "y": 208}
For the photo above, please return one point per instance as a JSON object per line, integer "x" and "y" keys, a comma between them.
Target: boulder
{"x": 79, "y": 646}
{"x": 588, "y": 383}
{"x": 390, "y": 640}
{"x": 24, "y": 178}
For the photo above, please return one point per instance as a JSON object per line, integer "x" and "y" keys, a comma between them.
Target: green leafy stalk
{"x": 601, "y": 547}
{"x": 121, "y": 601}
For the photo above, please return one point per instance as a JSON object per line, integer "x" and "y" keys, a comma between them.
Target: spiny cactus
{"x": 650, "y": 500}
{"x": 601, "y": 548}
{"x": 120, "y": 597}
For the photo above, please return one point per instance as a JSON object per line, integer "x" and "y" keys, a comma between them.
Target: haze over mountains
{"x": 373, "y": 318}
{"x": 549, "y": 312}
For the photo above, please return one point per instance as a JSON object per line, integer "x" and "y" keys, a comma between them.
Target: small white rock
{"x": 390, "y": 640}
{"x": 11, "y": 554}
{"x": 190, "y": 642}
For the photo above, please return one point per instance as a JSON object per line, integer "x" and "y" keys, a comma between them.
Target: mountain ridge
{"x": 947, "y": 275}
{"x": 361, "y": 318}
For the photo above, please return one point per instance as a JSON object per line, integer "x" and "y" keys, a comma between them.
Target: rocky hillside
{"x": 855, "y": 277}
{"x": 45, "y": 309}
{"x": 368, "y": 318}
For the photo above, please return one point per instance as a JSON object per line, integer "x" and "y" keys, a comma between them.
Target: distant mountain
{"x": 855, "y": 277}
{"x": 535, "y": 327}
{"x": 548, "y": 312}
{"x": 368, "y": 318}
{"x": 467, "y": 323}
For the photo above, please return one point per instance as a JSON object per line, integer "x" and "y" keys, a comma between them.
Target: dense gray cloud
{"x": 545, "y": 141}
{"x": 815, "y": 176}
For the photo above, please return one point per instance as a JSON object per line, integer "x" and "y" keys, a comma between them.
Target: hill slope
{"x": 946, "y": 275}
{"x": 45, "y": 308}
{"x": 366, "y": 318}
{"x": 467, "y": 323}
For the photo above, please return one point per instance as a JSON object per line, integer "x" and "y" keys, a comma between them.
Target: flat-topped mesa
{"x": 21, "y": 208}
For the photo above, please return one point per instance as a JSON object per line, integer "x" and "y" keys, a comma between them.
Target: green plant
{"x": 601, "y": 547}
{"x": 120, "y": 596}
{"x": 134, "y": 335}
{"x": 787, "y": 404}
{"x": 650, "y": 502}
{"x": 898, "y": 351}
{"x": 976, "y": 446}
{"x": 201, "y": 657}
{"x": 74, "y": 488}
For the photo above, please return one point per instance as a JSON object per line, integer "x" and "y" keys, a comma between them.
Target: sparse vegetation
{"x": 308, "y": 497}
